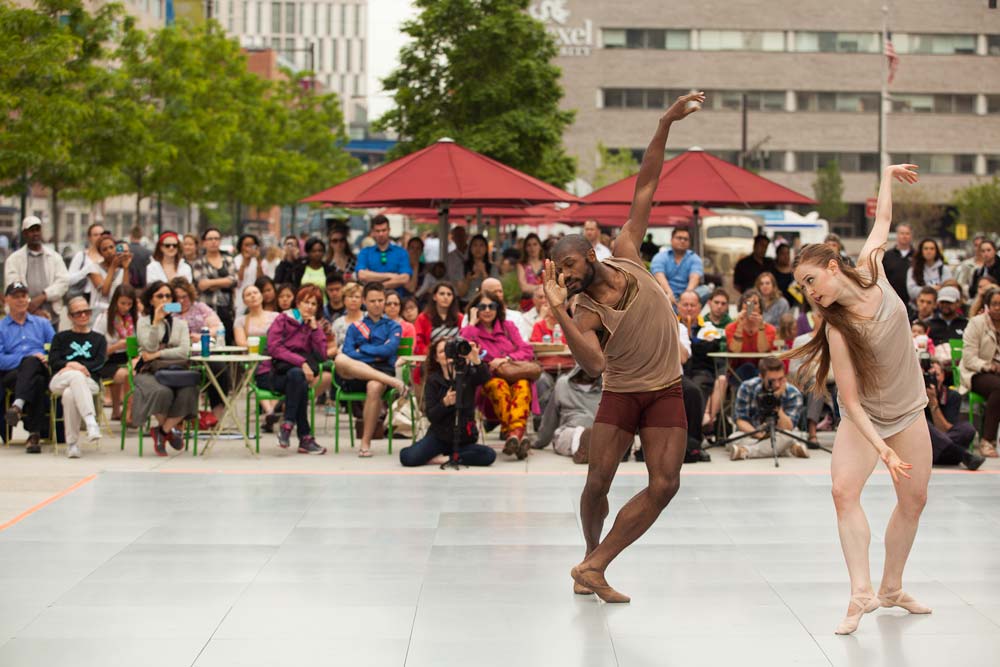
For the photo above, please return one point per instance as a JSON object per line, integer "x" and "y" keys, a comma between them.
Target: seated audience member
{"x": 694, "y": 406}
{"x": 538, "y": 305}
{"x": 284, "y": 297}
{"x": 374, "y": 342}
{"x": 199, "y": 316}
{"x": 492, "y": 288}
{"x": 773, "y": 303}
{"x": 749, "y": 333}
{"x": 441, "y": 318}
{"x": 411, "y": 310}
{"x": 510, "y": 399}
{"x": 22, "y": 361}
{"x": 950, "y": 436}
{"x": 268, "y": 294}
{"x": 117, "y": 325}
{"x": 990, "y": 267}
{"x": 75, "y": 357}
{"x": 786, "y": 332}
{"x": 921, "y": 341}
{"x": 749, "y": 418}
{"x": 948, "y": 323}
{"x": 926, "y": 305}
{"x": 805, "y": 323}
{"x": 353, "y": 300}
{"x": 699, "y": 368}
{"x": 440, "y": 405}
{"x": 334, "y": 307}
{"x": 977, "y": 307}
{"x": 816, "y": 404}
{"x": 393, "y": 310}
{"x": 297, "y": 347}
{"x": 256, "y": 322}
{"x": 162, "y": 338}
{"x": 435, "y": 273}
{"x": 980, "y": 368}
{"x": 569, "y": 415}
{"x": 718, "y": 309}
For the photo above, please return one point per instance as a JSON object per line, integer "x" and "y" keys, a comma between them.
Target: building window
{"x": 732, "y": 100}
{"x": 361, "y": 55}
{"x": 343, "y": 22}
{"x": 993, "y": 45}
{"x": 289, "y": 17}
{"x": 843, "y": 102}
{"x": 837, "y": 42}
{"x": 904, "y": 103}
{"x": 993, "y": 104}
{"x": 935, "y": 44}
{"x": 766, "y": 161}
{"x": 938, "y": 163}
{"x": 357, "y": 19}
{"x": 638, "y": 98}
{"x": 637, "y": 38}
{"x": 275, "y": 17}
{"x": 259, "y": 14}
{"x": 347, "y": 55}
{"x": 741, "y": 40}
{"x": 329, "y": 19}
{"x": 848, "y": 162}
{"x": 993, "y": 165}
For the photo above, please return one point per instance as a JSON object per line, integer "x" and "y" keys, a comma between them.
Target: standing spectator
{"x": 989, "y": 267}
{"x": 928, "y": 269}
{"x": 373, "y": 341}
{"x": 569, "y": 415}
{"x": 394, "y": 310}
{"x": 384, "y": 262}
{"x": 529, "y": 270}
{"x": 340, "y": 256}
{"x": 440, "y": 319}
{"x": 117, "y": 324}
{"x": 926, "y": 305}
{"x": 268, "y": 293}
{"x": 41, "y": 269}
{"x": 190, "y": 249}
{"x": 415, "y": 251}
{"x": 215, "y": 278}
{"x": 140, "y": 257}
{"x": 897, "y": 260}
{"x": 477, "y": 268}
{"x": 747, "y": 269}
{"x": 23, "y": 338}
{"x": 75, "y": 357}
{"x": 784, "y": 276}
{"x": 411, "y": 310}
{"x": 162, "y": 338}
{"x": 949, "y": 322}
{"x": 834, "y": 242}
{"x": 313, "y": 270}
{"x": 440, "y": 402}
{"x": 592, "y": 232}
{"x": 456, "y": 258}
{"x": 167, "y": 262}
{"x": 78, "y": 272}
{"x": 648, "y": 249}
{"x": 679, "y": 268}
{"x": 772, "y": 302}
{"x": 247, "y": 265}
{"x": 980, "y": 368}
{"x": 268, "y": 265}
{"x": 284, "y": 273}
{"x": 105, "y": 276}
{"x": 963, "y": 274}
{"x": 950, "y": 437}
{"x": 750, "y": 420}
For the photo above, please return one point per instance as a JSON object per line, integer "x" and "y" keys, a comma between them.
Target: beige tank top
{"x": 642, "y": 346}
{"x": 898, "y": 391}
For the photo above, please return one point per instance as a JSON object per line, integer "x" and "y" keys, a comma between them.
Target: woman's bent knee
{"x": 846, "y": 497}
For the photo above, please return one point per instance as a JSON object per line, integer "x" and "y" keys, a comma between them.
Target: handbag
{"x": 177, "y": 378}
{"x": 515, "y": 371}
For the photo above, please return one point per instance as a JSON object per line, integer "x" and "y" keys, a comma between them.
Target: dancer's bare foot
{"x": 595, "y": 581}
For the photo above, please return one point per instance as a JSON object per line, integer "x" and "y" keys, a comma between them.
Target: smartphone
{"x": 482, "y": 354}
{"x": 750, "y": 306}
{"x": 172, "y": 307}
{"x": 120, "y": 248}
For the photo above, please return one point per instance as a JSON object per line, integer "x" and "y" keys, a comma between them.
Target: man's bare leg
{"x": 608, "y": 444}
{"x": 359, "y": 370}
{"x": 373, "y": 404}
{"x": 664, "y": 450}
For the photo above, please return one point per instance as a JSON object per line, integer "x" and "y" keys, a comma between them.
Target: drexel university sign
{"x": 572, "y": 39}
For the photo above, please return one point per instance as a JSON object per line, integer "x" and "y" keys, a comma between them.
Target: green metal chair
{"x": 54, "y": 418}
{"x": 957, "y": 346}
{"x": 351, "y": 398}
{"x": 406, "y": 349}
{"x": 259, "y": 394}
{"x": 132, "y": 352}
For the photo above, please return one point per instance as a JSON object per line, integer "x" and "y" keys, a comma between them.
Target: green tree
{"x": 480, "y": 72}
{"x": 613, "y": 166}
{"x": 979, "y": 206}
{"x": 829, "y": 192}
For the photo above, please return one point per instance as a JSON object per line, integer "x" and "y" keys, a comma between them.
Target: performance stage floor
{"x": 471, "y": 569}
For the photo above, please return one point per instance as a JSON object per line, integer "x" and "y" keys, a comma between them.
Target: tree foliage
{"x": 828, "y": 188}
{"x": 613, "y": 166}
{"x": 979, "y": 206}
{"x": 919, "y": 208}
{"x": 480, "y": 72}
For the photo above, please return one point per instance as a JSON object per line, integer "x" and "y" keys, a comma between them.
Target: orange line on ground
{"x": 65, "y": 492}
{"x": 549, "y": 473}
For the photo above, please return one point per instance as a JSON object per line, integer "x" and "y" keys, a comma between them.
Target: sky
{"x": 383, "y": 43}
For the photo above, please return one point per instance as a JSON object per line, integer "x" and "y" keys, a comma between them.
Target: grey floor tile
{"x": 757, "y": 650}
{"x": 123, "y": 622}
{"x": 348, "y": 623}
{"x": 298, "y": 652}
{"x": 103, "y": 652}
{"x": 492, "y": 652}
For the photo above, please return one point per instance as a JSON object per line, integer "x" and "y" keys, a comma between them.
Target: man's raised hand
{"x": 554, "y": 285}
{"x": 684, "y": 106}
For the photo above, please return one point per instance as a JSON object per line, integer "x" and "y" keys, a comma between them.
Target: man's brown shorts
{"x": 663, "y": 408}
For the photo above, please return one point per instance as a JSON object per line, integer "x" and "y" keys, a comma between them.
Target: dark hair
{"x": 293, "y": 237}
{"x": 680, "y": 229}
{"x": 309, "y": 292}
{"x": 501, "y": 310}
{"x": 147, "y": 296}
{"x": 928, "y": 290}
{"x": 752, "y": 292}
{"x": 92, "y": 226}
{"x": 158, "y": 250}
{"x": 278, "y": 289}
{"x": 209, "y": 230}
{"x": 373, "y": 287}
{"x": 339, "y": 229}
{"x": 417, "y": 239}
{"x": 335, "y": 278}
{"x": 541, "y": 248}
{"x": 469, "y": 263}
{"x": 919, "y": 323}
{"x": 918, "y": 260}
{"x": 244, "y": 237}
{"x": 127, "y": 291}
{"x": 260, "y": 284}
{"x": 378, "y": 220}
{"x": 453, "y": 310}
{"x": 768, "y": 364}
{"x": 719, "y": 291}
{"x": 406, "y": 301}
{"x": 180, "y": 282}
{"x": 985, "y": 241}
{"x": 431, "y": 365}
{"x": 312, "y": 242}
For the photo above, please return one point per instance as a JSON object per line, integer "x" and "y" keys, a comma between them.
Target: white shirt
{"x": 249, "y": 278}
{"x": 154, "y": 271}
{"x": 602, "y": 251}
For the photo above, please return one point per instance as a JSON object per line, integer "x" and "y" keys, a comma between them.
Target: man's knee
{"x": 663, "y": 488}
{"x": 598, "y": 485}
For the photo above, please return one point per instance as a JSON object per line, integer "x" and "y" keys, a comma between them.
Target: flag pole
{"x": 883, "y": 117}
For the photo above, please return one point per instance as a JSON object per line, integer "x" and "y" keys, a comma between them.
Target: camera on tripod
{"x": 768, "y": 401}
{"x": 457, "y": 349}
{"x": 930, "y": 378}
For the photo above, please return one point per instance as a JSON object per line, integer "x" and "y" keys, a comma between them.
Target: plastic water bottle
{"x": 206, "y": 342}
{"x": 220, "y": 336}
{"x": 557, "y": 336}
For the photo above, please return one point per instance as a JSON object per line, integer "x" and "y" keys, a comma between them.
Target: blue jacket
{"x": 379, "y": 347}
{"x": 18, "y": 341}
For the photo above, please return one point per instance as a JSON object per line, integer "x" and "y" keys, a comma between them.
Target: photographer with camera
{"x": 950, "y": 437}
{"x": 768, "y": 397}
{"x": 450, "y": 361}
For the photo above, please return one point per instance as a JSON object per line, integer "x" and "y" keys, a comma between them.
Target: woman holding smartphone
{"x": 749, "y": 333}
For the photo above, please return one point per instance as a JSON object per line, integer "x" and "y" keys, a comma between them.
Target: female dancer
{"x": 881, "y": 396}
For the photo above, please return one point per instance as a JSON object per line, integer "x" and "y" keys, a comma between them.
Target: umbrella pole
{"x": 695, "y": 231}
{"x": 443, "y": 229}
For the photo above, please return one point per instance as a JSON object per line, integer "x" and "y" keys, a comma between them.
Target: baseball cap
{"x": 30, "y": 222}
{"x": 16, "y": 286}
{"x": 949, "y": 294}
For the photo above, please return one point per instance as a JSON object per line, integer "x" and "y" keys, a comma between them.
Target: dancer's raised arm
{"x": 906, "y": 173}
{"x": 634, "y": 231}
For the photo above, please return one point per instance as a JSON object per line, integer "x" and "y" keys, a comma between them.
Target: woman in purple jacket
{"x": 296, "y": 344}
{"x": 511, "y": 401}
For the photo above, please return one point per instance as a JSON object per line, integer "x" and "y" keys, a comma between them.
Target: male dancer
{"x": 624, "y": 327}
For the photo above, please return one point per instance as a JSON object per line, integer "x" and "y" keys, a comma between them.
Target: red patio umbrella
{"x": 616, "y": 215}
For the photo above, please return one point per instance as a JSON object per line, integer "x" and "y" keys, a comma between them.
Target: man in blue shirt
{"x": 23, "y": 338}
{"x": 678, "y": 268}
{"x": 373, "y": 341}
{"x": 749, "y": 418}
{"x": 385, "y": 262}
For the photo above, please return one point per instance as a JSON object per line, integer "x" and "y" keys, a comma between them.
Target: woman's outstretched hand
{"x": 897, "y": 467}
{"x": 906, "y": 173}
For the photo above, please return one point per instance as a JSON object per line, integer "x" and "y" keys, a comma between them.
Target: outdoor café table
{"x": 218, "y": 349}
{"x": 249, "y": 362}
{"x": 735, "y": 355}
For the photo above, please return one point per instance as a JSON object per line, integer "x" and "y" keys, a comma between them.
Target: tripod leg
{"x": 774, "y": 443}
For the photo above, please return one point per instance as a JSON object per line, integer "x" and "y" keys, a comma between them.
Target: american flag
{"x": 890, "y": 53}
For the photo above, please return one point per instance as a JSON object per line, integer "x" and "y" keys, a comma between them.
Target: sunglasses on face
{"x": 487, "y": 306}
{"x": 78, "y": 313}
{"x": 169, "y": 245}
{"x": 161, "y": 296}
{"x": 336, "y": 240}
